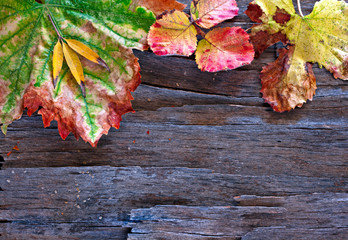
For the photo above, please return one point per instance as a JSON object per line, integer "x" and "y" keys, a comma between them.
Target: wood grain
{"x": 119, "y": 198}
{"x": 202, "y": 158}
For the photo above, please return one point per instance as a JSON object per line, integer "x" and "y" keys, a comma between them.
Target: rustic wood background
{"x": 202, "y": 158}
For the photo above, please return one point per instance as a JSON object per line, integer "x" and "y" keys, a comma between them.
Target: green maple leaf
{"x": 27, "y": 39}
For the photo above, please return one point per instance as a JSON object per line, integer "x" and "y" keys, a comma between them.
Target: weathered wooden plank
{"x": 183, "y": 74}
{"x": 72, "y": 190}
{"x": 327, "y": 213}
{"x": 207, "y": 221}
{"x": 225, "y": 138}
{"x": 282, "y": 233}
{"x": 95, "y": 197}
{"x": 66, "y": 231}
{"x": 279, "y": 233}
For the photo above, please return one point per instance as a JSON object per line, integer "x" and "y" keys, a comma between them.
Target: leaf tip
{"x": 4, "y": 128}
{"x": 55, "y": 82}
{"x": 104, "y": 64}
{"x": 83, "y": 89}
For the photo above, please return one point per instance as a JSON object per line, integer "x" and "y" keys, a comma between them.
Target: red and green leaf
{"x": 27, "y": 41}
{"x": 224, "y": 49}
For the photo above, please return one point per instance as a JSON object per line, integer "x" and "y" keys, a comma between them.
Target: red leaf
{"x": 223, "y": 49}
{"x": 208, "y": 13}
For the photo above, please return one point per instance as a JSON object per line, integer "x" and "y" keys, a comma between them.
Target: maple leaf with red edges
{"x": 321, "y": 36}
{"x": 28, "y": 35}
{"x": 220, "y": 49}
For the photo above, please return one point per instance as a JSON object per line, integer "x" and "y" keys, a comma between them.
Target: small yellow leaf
{"x": 74, "y": 63}
{"x": 85, "y": 51}
{"x": 57, "y": 61}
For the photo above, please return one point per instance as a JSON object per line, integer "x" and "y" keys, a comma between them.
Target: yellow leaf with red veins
{"x": 173, "y": 34}
{"x": 208, "y": 13}
{"x": 224, "y": 49}
{"x": 321, "y": 36}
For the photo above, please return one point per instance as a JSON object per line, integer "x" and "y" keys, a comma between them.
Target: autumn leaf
{"x": 159, "y": 6}
{"x": 28, "y": 41}
{"x": 208, "y": 14}
{"x": 58, "y": 58}
{"x": 320, "y": 37}
{"x": 282, "y": 91}
{"x": 220, "y": 49}
{"x": 74, "y": 64}
{"x": 86, "y": 52}
{"x": 173, "y": 33}
{"x": 71, "y": 49}
{"x": 224, "y": 48}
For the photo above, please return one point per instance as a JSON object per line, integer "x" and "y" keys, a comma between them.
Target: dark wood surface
{"x": 202, "y": 158}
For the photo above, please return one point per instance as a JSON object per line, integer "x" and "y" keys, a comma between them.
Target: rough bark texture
{"x": 202, "y": 158}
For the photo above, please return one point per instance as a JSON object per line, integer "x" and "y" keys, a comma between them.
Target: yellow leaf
{"x": 74, "y": 63}
{"x": 57, "y": 61}
{"x": 85, "y": 51}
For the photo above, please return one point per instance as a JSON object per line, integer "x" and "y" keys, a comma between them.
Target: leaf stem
{"x": 299, "y": 8}
{"x": 55, "y": 28}
{"x": 199, "y": 30}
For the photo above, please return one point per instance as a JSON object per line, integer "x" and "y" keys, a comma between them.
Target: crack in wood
{"x": 2, "y": 160}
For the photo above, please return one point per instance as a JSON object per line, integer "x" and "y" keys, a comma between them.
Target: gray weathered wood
{"x": 293, "y": 214}
{"x": 115, "y": 193}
